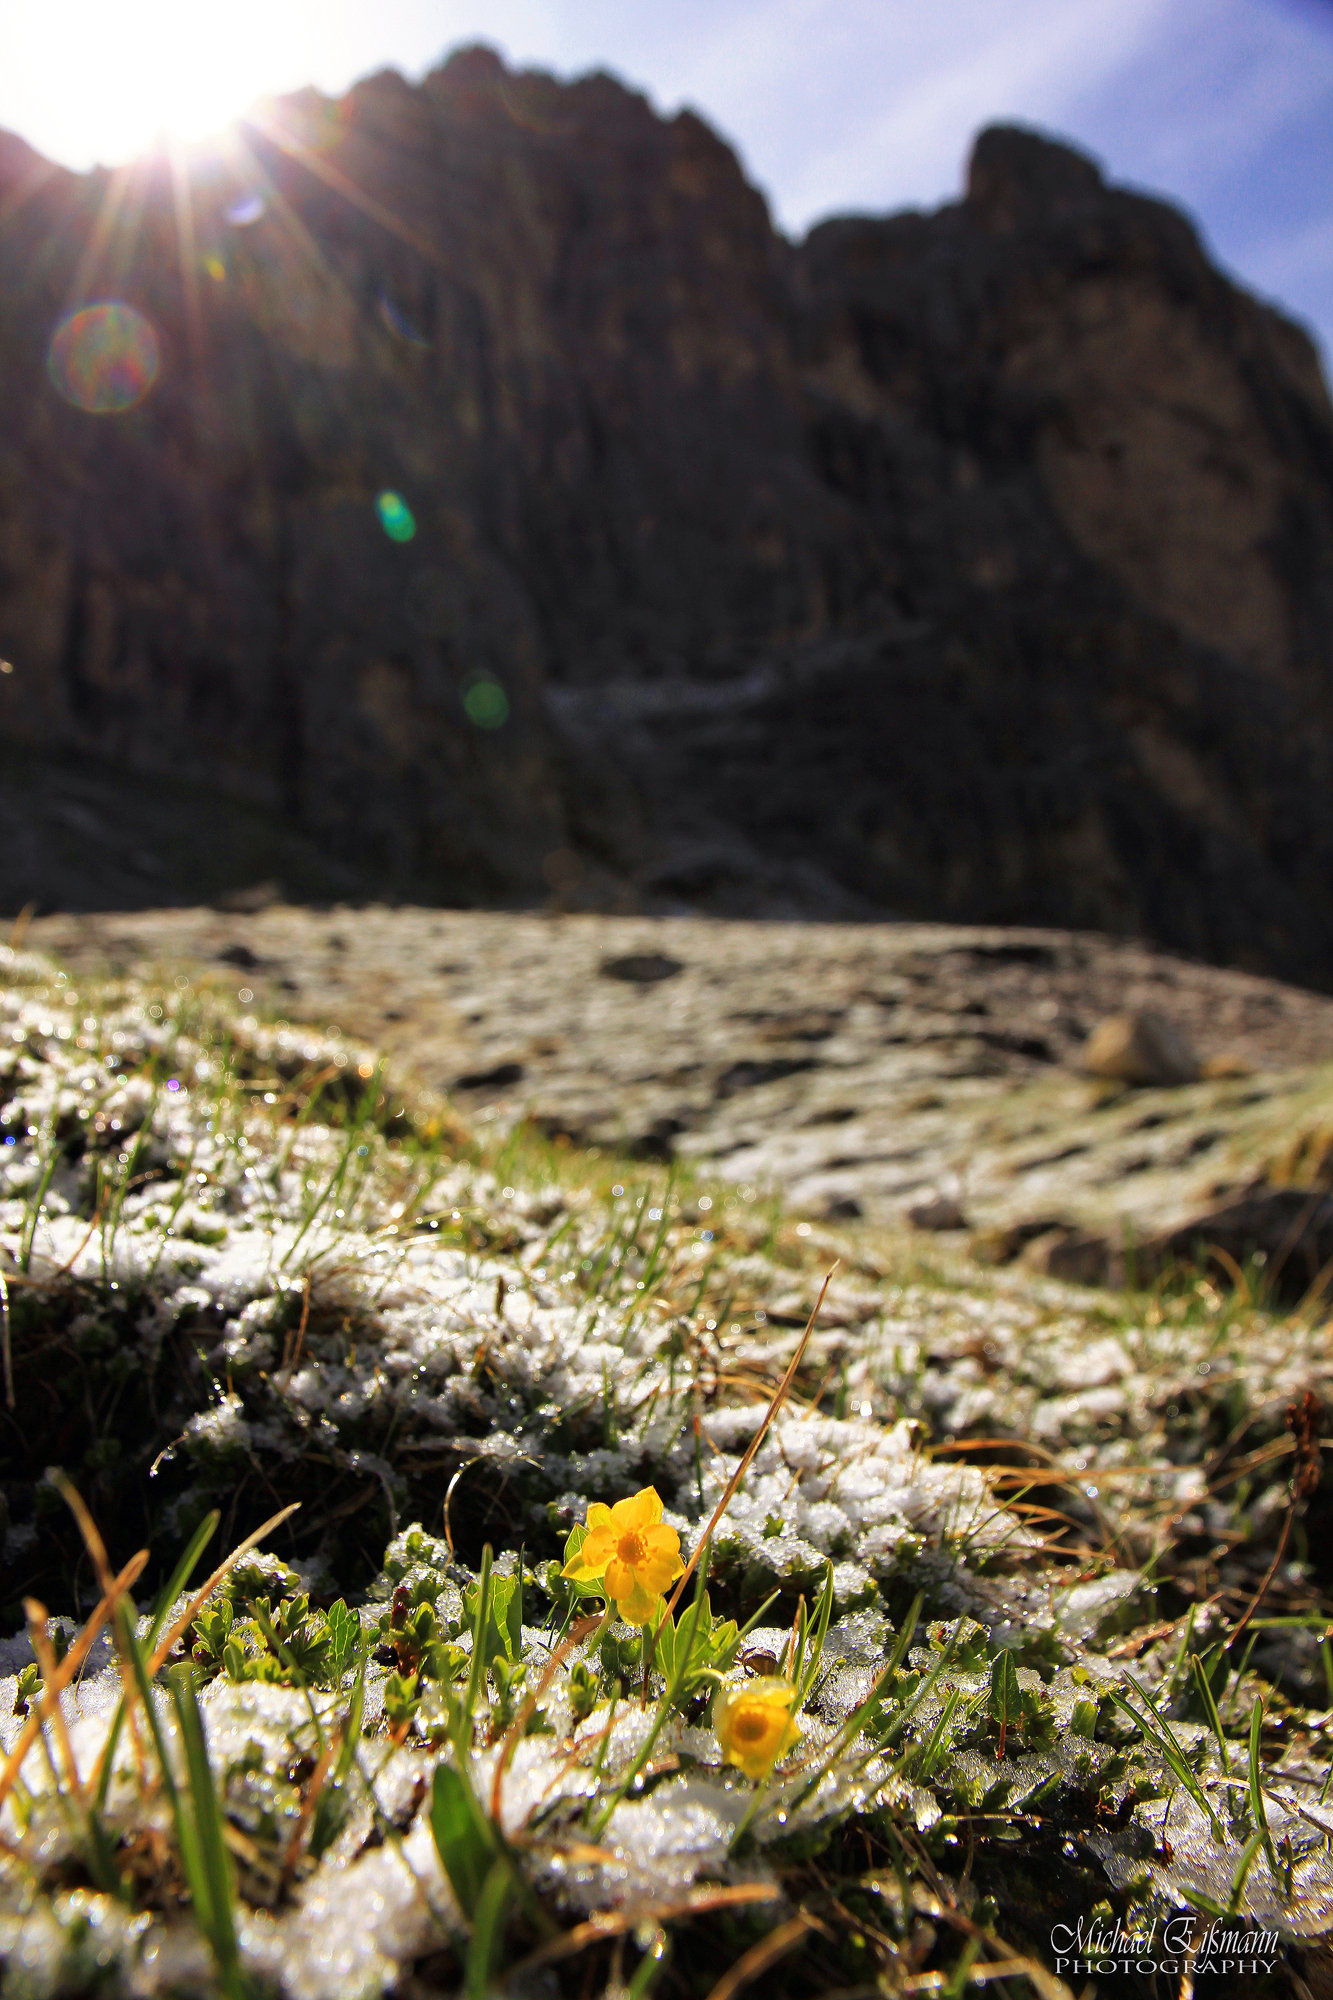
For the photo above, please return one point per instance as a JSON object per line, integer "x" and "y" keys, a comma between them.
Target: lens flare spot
{"x": 396, "y": 517}
{"x": 486, "y": 704}
{"x": 103, "y": 358}
{"x": 399, "y": 324}
{"x": 244, "y": 213}
{"x": 215, "y": 268}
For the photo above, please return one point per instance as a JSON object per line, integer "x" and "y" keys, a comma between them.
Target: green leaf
{"x": 483, "y": 1958}
{"x": 574, "y": 1541}
{"x": 1005, "y": 1702}
{"x": 464, "y": 1838}
{"x": 401, "y": 1699}
{"x": 1083, "y": 1721}
{"x": 664, "y": 1648}
{"x": 503, "y": 1634}
{"x": 344, "y": 1634}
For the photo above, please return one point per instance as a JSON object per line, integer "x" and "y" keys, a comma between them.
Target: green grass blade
{"x": 685, "y": 1647}
{"x": 906, "y": 1635}
{"x": 1243, "y": 1866}
{"x": 753, "y": 1620}
{"x": 1257, "y": 1806}
{"x": 352, "y": 1726}
{"x": 477, "y": 1670}
{"x": 812, "y": 1653}
{"x": 650, "y": 1967}
{"x": 209, "y": 1834}
{"x": 1159, "y": 1732}
{"x": 1201, "y": 1682}
{"x": 109, "y": 1755}
{"x": 186, "y": 1839}
{"x": 181, "y": 1575}
{"x": 935, "y": 1740}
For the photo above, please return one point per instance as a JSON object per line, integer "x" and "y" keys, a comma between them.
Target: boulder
{"x": 1140, "y": 1048}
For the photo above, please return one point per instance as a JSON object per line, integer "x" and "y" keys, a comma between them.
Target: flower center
{"x": 631, "y": 1549}
{"x": 750, "y": 1728}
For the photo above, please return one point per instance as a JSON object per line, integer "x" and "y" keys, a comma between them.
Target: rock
{"x": 940, "y": 1212}
{"x": 1284, "y": 1235}
{"x": 545, "y": 523}
{"x": 641, "y": 968}
{"x": 1079, "y": 1256}
{"x": 501, "y": 1077}
{"x": 1141, "y": 1048}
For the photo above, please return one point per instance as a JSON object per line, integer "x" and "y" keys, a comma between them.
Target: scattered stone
{"x": 940, "y": 1212}
{"x": 499, "y": 1078}
{"x": 641, "y": 968}
{"x": 1142, "y": 1049}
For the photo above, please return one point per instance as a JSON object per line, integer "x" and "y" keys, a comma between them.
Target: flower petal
{"x": 657, "y": 1571}
{"x": 640, "y": 1607}
{"x": 619, "y": 1578}
{"x": 642, "y": 1510}
{"x": 590, "y": 1559}
{"x": 580, "y": 1570}
{"x": 755, "y": 1725}
{"x": 662, "y": 1542}
{"x": 599, "y": 1514}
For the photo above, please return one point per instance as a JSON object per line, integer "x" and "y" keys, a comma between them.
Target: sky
{"x": 1224, "y": 106}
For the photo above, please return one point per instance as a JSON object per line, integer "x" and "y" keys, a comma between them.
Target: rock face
{"x": 975, "y": 564}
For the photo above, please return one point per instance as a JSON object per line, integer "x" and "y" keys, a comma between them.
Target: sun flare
{"x": 90, "y": 84}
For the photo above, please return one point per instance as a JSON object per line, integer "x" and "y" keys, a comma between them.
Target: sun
{"x": 91, "y": 83}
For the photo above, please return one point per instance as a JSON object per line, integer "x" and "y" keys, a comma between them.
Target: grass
{"x": 244, "y": 1279}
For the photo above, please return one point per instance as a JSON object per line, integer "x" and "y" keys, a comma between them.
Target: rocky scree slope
{"x": 975, "y": 564}
{"x": 901, "y": 1072}
{"x": 240, "y": 1273}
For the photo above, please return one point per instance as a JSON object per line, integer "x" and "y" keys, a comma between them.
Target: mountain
{"x": 512, "y": 510}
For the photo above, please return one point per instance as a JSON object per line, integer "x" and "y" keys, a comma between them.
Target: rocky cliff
{"x": 513, "y": 510}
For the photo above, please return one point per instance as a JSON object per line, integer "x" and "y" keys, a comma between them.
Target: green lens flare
{"x": 396, "y": 517}
{"x": 486, "y": 704}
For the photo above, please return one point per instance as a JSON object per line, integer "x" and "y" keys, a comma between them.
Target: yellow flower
{"x": 628, "y": 1549}
{"x": 755, "y": 1724}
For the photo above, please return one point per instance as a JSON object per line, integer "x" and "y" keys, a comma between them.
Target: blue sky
{"x": 1226, "y": 106}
